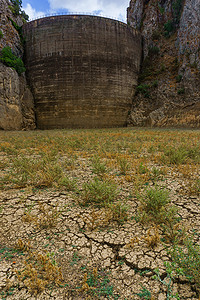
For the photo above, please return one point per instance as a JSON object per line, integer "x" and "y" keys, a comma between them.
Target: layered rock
{"x": 16, "y": 100}
{"x": 168, "y": 92}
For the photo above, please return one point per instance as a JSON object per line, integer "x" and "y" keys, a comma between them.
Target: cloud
{"x": 109, "y": 8}
{"x": 32, "y": 13}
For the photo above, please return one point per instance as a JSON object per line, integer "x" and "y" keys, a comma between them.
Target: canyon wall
{"x": 16, "y": 100}
{"x": 168, "y": 92}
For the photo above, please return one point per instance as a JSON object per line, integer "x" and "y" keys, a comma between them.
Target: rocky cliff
{"x": 16, "y": 100}
{"x": 168, "y": 92}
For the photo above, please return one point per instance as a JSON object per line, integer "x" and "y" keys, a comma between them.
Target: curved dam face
{"x": 82, "y": 70}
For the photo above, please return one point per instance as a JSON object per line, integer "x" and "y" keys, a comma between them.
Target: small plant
{"x": 156, "y": 35}
{"x": 152, "y": 237}
{"x": 1, "y": 34}
{"x": 143, "y": 89}
{"x": 68, "y": 183}
{"x": 10, "y": 60}
{"x": 168, "y": 28}
{"x": 98, "y": 167}
{"x": 155, "y": 206}
{"x": 75, "y": 258}
{"x": 98, "y": 193}
{"x": 186, "y": 259}
{"x": 168, "y": 281}
{"x": 144, "y": 294}
{"x": 153, "y": 50}
{"x": 142, "y": 169}
{"x": 39, "y": 272}
{"x": 96, "y": 283}
{"x": 123, "y": 164}
{"x": 154, "y": 84}
{"x": 46, "y": 218}
{"x": 118, "y": 212}
{"x": 179, "y": 78}
{"x": 181, "y": 91}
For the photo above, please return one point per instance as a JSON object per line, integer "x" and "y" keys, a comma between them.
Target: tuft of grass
{"x": 99, "y": 193}
{"x": 123, "y": 165}
{"x": 98, "y": 167}
{"x": 181, "y": 155}
{"x": 155, "y": 206}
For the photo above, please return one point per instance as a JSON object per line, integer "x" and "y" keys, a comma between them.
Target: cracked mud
{"x": 45, "y": 230}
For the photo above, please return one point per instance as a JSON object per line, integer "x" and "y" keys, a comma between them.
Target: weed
{"x": 98, "y": 167}
{"x": 123, "y": 164}
{"x": 39, "y": 272}
{"x": 168, "y": 281}
{"x": 1, "y": 34}
{"x": 195, "y": 187}
{"x": 68, "y": 183}
{"x": 153, "y": 50}
{"x": 46, "y": 218}
{"x": 98, "y": 193}
{"x": 186, "y": 259}
{"x": 168, "y": 28}
{"x": 143, "y": 89}
{"x": 132, "y": 242}
{"x": 118, "y": 212}
{"x": 96, "y": 283}
{"x": 180, "y": 155}
{"x": 75, "y": 258}
{"x": 144, "y": 294}
{"x": 179, "y": 78}
{"x": 152, "y": 237}
{"x": 155, "y": 206}
{"x": 142, "y": 169}
{"x": 181, "y": 91}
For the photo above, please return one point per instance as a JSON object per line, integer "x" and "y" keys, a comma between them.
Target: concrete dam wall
{"x": 82, "y": 70}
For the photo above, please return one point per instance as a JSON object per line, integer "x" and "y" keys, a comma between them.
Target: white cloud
{"x": 112, "y": 8}
{"x": 32, "y": 13}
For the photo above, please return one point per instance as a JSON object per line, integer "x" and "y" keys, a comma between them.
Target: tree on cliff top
{"x": 17, "y": 9}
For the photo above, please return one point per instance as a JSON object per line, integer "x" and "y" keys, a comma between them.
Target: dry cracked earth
{"x": 79, "y": 253}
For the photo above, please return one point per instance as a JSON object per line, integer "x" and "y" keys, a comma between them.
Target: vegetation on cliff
{"x": 16, "y": 9}
{"x": 10, "y": 60}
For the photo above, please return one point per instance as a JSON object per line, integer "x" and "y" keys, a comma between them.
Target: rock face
{"x": 168, "y": 93}
{"x": 16, "y": 100}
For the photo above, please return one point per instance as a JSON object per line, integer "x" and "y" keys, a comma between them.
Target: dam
{"x": 82, "y": 70}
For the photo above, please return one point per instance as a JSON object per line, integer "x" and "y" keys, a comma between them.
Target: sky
{"x": 115, "y": 9}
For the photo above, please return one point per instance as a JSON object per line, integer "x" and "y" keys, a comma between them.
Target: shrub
{"x": 179, "y": 78}
{"x": 169, "y": 28}
{"x": 10, "y": 60}
{"x": 143, "y": 89}
{"x": 153, "y": 50}
{"x": 181, "y": 91}
{"x": 155, "y": 84}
